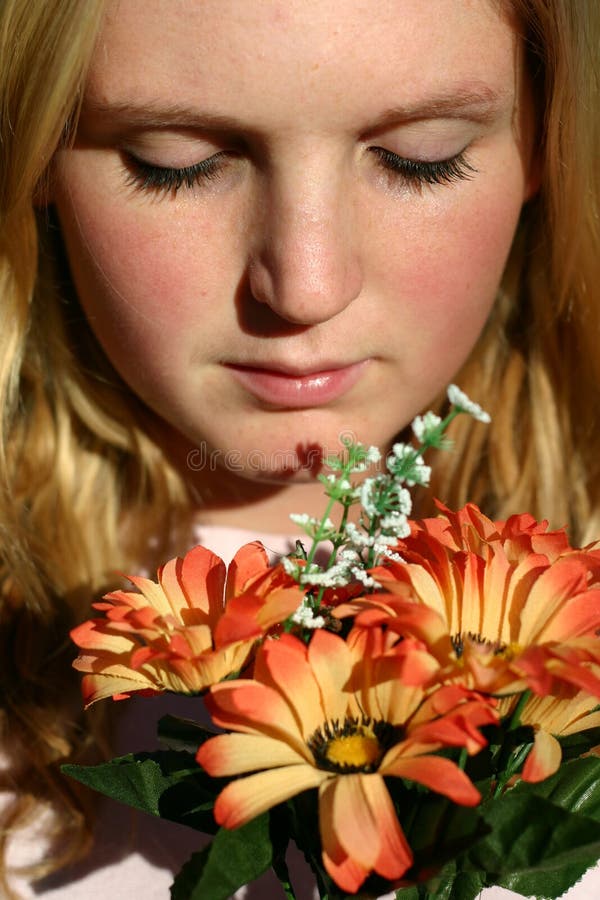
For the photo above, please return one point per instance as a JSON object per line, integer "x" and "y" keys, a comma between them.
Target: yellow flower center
{"x": 354, "y": 745}
{"x": 509, "y": 651}
{"x": 356, "y": 750}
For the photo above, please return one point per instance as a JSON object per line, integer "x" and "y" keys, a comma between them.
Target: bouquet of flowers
{"x": 413, "y": 703}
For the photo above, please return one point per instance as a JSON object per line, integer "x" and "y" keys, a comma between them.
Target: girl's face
{"x": 288, "y": 219}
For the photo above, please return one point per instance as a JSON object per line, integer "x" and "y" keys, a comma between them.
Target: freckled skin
{"x": 303, "y": 247}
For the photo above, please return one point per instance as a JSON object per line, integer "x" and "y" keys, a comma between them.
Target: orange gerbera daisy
{"x": 165, "y": 637}
{"x": 268, "y": 598}
{"x": 315, "y": 717}
{"x": 510, "y": 605}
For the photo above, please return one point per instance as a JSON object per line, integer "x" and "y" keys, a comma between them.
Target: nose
{"x": 306, "y": 263}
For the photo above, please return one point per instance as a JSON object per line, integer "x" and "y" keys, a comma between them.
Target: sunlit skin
{"x": 303, "y": 248}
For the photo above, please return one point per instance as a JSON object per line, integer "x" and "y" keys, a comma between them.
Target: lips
{"x": 288, "y": 389}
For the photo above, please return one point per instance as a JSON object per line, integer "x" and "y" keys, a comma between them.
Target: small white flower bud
{"x": 459, "y": 399}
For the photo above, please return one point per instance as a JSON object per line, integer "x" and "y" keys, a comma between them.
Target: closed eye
{"x": 415, "y": 173}
{"x": 166, "y": 179}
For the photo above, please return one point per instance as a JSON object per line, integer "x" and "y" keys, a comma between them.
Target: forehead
{"x": 274, "y": 58}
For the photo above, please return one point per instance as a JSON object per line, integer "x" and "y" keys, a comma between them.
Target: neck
{"x": 263, "y": 507}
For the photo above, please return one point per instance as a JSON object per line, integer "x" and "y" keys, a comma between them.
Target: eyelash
{"x": 414, "y": 173}
{"x": 163, "y": 179}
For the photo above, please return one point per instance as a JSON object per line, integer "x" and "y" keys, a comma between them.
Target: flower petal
{"x": 254, "y": 708}
{"x": 249, "y": 561}
{"x": 95, "y": 635}
{"x": 169, "y": 577}
{"x": 203, "y": 582}
{"x": 435, "y": 772}
{"x": 153, "y": 593}
{"x": 331, "y": 661}
{"x": 577, "y": 617}
{"x": 471, "y": 615}
{"x": 565, "y": 579}
{"x": 99, "y": 687}
{"x": 232, "y": 754}
{"x": 286, "y": 661}
{"x": 395, "y": 855}
{"x": 278, "y": 605}
{"x": 246, "y": 798}
{"x": 345, "y": 871}
{"x": 353, "y": 820}
{"x": 544, "y": 759}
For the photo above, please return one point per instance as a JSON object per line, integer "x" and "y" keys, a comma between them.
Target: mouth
{"x": 285, "y": 387}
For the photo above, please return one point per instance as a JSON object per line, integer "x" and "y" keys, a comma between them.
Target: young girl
{"x": 233, "y": 232}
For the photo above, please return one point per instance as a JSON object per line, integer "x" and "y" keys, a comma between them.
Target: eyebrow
{"x": 155, "y": 115}
{"x": 480, "y": 103}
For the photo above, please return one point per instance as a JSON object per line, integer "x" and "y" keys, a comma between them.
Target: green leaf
{"x": 438, "y": 831}
{"x": 558, "y": 838}
{"x": 182, "y": 734}
{"x": 233, "y": 859}
{"x": 280, "y": 839}
{"x": 466, "y": 886}
{"x": 304, "y": 831}
{"x": 535, "y": 847}
{"x": 165, "y": 783}
{"x": 450, "y": 885}
{"x": 575, "y": 787}
{"x": 575, "y": 745}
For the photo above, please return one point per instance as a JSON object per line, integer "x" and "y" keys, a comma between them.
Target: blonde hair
{"x": 77, "y": 456}
{"x": 536, "y": 368}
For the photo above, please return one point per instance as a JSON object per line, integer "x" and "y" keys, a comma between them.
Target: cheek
{"x": 149, "y": 280}
{"x": 445, "y": 267}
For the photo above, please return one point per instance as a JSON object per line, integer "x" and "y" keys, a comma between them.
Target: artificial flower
{"x": 269, "y": 596}
{"x": 511, "y": 606}
{"x": 551, "y": 718}
{"x": 164, "y": 637}
{"x": 314, "y": 717}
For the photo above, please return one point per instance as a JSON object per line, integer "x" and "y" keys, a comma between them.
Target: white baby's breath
{"x": 367, "y": 499}
{"x": 424, "y": 426}
{"x": 336, "y": 576}
{"x": 365, "y": 579}
{"x": 401, "y": 451}
{"x": 393, "y": 555}
{"x": 373, "y": 455}
{"x": 395, "y": 524}
{"x": 381, "y": 521}
{"x": 305, "y": 616}
{"x": 461, "y": 401}
{"x": 403, "y": 500}
{"x": 313, "y": 526}
{"x": 301, "y": 519}
{"x": 291, "y": 566}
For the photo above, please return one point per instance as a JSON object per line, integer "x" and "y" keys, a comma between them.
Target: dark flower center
{"x": 498, "y": 648}
{"x": 354, "y": 745}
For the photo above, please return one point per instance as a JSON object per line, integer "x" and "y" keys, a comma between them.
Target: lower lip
{"x": 298, "y": 391}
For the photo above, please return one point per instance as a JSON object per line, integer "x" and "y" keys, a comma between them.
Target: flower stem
{"x": 515, "y": 719}
{"x": 332, "y": 501}
{"x": 511, "y": 760}
{"x": 281, "y": 870}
